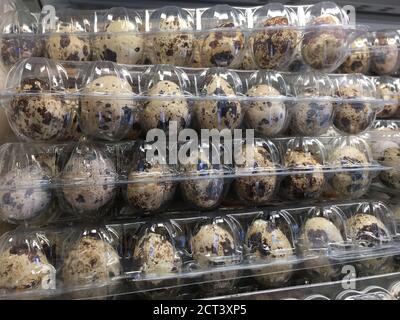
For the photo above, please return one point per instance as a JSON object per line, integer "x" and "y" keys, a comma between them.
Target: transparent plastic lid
{"x": 19, "y": 22}
{"x": 119, "y": 19}
{"x": 37, "y": 75}
{"x": 268, "y": 79}
{"x": 354, "y": 86}
{"x": 304, "y": 153}
{"x": 171, "y": 18}
{"x": 273, "y": 14}
{"x": 325, "y": 13}
{"x": 350, "y": 151}
{"x": 165, "y": 80}
{"x": 216, "y": 241}
{"x": 222, "y": 16}
{"x": 219, "y": 82}
{"x": 313, "y": 85}
{"x": 26, "y": 262}
{"x": 107, "y": 78}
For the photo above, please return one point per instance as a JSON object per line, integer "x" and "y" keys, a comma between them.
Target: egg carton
{"x": 87, "y": 179}
{"x": 49, "y": 101}
{"x": 218, "y": 254}
{"x": 374, "y": 52}
{"x": 267, "y": 37}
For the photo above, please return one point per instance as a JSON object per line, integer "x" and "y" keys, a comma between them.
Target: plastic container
{"x": 310, "y": 116}
{"x": 385, "y": 52}
{"x": 218, "y": 36}
{"x": 189, "y": 255}
{"x": 119, "y": 37}
{"x": 36, "y": 104}
{"x": 354, "y": 117}
{"x": 19, "y": 37}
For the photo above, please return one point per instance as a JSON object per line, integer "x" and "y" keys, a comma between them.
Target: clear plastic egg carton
{"x": 49, "y": 101}
{"x": 89, "y": 180}
{"x": 195, "y": 256}
{"x": 265, "y": 37}
{"x": 374, "y": 52}
{"x": 377, "y": 287}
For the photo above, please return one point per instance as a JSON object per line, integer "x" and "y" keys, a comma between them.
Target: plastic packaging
{"x": 84, "y": 178}
{"x": 114, "y": 102}
{"x": 218, "y": 36}
{"x": 218, "y": 254}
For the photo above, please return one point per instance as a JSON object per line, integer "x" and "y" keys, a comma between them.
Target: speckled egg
{"x": 304, "y": 185}
{"x": 158, "y": 113}
{"x": 311, "y": 117}
{"x": 268, "y": 244}
{"x": 64, "y": 46}
{"x": 203, "y": 193}
{"x": 322, "y": 48}
{"x": 359, "y": 58}
{"x": 155, "y": 256}
{"x": 38, "y": 116}
{"x": 107, "y": 118}
{"x": 316, "y": 235}
{"x": 114, "y": 45}
{"x": 273, "y": 49}
{"x": 23, "y": 195}
{"x": 390, "y": 158}
{"x": 221, "y": 48}
{"x": 90, "y": 263}
{"x": 24, "y": 268}
{"x": 388, "y": 91}
{"x": 19, "y": 37}
{"x": 258, "y": 189}
{"x": 219, "y": 113}
{"x": 267, "y": 118}
{"x": 385, "y": 54}
{"x": 369, "y": 231}
{"x": 349, "y": 184}
{"x": 352, "y": 117}
{"x": 213, "y": 246}
{"x": 97, "y": 174}
{"x": 171, "y": 47}
{"x": 149, "y": 196}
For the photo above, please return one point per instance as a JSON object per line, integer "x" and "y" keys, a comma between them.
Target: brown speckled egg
{"x": 322, "y": 48}
{"x": 170, "y": 46}
{"x": 359, "y": 58}
{"x": 349, "y": 184}
{"x": 37, "y": 116}
{"x": 391, "y": 158}
{"x": 109, "y": 119}
{"x": 273, "y": 49}
{"x": 385, "y": 53}
{"x": 120, "y": 43}
{"x": 149, "y": 196}
{"x": 157, "y": 113}
{"x": 97, "y": 174}
{"x": 388, "y": 91}
{"x": 64, "y": 46}
{"x": 258, "y": 189}
{"x": 220, "y": 113}
{"x": 221, "y": 48}
{"x": 352, "y": 117}
{"x": 268, "y": 244}
{"x": 267, "y": 118}
{"x": 302, "y": 185}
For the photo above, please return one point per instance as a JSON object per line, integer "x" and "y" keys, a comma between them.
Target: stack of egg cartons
{"x": 122, "y": 184}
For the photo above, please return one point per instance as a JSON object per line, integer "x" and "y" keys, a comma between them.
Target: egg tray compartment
{"x": 49, "y": 101}
{"x": 86, "y": 178}
{"x": 232, "y": 255}
{"x": 187, "y": 37}
{"x": 376, "y": 287}
{"x": 374, "y": 52}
